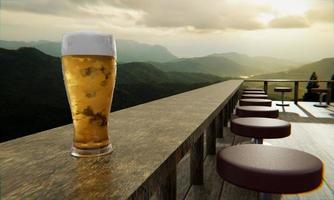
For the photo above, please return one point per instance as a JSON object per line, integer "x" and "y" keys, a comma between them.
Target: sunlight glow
{"x": 287, "y": 7}
{"x": 265, "y": 18}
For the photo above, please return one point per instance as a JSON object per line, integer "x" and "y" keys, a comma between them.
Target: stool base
{"x": 282, "y": 104}
{"x": 320, "y": 105}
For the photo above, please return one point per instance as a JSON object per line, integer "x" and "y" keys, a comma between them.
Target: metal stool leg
{"x": 321, "y": 97}
{"x": 258, "y": 140}
{"x": 282, "y": 99}
{"x": 265, "y": 196}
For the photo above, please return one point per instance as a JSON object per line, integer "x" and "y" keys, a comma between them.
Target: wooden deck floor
{"x": 312, "y": 132}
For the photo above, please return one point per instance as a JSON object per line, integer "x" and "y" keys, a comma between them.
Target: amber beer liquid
{"x": 90, "y": 81}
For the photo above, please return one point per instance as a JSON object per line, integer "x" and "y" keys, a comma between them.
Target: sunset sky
{"x": 295, "y": 29}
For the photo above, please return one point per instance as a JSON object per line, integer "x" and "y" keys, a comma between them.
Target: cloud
{"x": 289, "y": 22}
{"x": 323, "y": 11}
{"x": 39, "y": 6}
{"x": 199, "y": 16}
{"x": 202, "y": 15}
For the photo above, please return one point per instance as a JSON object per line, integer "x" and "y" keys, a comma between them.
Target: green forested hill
{"x": 33, "y": 95}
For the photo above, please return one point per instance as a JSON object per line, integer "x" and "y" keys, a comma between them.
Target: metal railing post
{"x": 296, "y": 88}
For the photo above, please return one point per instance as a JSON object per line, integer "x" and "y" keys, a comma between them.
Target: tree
{"x": 309, "y": 95}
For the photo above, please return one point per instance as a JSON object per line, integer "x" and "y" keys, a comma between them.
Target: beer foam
{"x": 88, "y": 43}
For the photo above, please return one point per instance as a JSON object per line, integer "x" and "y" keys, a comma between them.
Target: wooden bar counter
{"x": 148, "y": 141}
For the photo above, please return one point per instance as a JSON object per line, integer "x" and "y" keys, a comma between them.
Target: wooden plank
{"x": 225, "y": 118}
{"x": 211, "y": 138}
{"x": 232, "y": 192}
{"x": 196, "y": 162}
{"x": 169, "y": 188}
{"x": 183, "y": 177}
{"x": 211, "y": 188}
{"x": 220, "y": 125}
{"x": 316, "y": 139}
{"x": 212, "y": 183}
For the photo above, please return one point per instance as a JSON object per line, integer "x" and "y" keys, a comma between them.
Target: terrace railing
{"x": 148, "y": 140}
{"x": 329, "y": 84}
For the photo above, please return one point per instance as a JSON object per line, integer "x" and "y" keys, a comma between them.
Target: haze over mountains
{"x": 127, "y": 50}
{"x": 228, "y": 65}
{"x": 224, "y": 64}
{"x": 33, "y": 92}
{"x": 324, "y": 69}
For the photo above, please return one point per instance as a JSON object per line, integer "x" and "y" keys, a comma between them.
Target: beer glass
{"x": 89, "y": 71}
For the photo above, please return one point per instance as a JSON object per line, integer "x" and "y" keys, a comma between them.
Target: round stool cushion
{"x": 253, "y": 92}
{"x": 253, "y": 89}
{"x": 282, "y": 89}
{"x": 255, "y": 102}
{"x": 254, "y": 96}
{"x": 319, "y": 90}
{"x": 269, "y": 169}
{"x": 260, "y": 127}
{"x": 256, "y": 111}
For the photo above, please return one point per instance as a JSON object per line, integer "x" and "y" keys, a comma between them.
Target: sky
{"x": 301, "y": 30}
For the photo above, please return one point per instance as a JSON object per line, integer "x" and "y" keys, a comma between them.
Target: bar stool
{"x": 282, "y": 90}
{"x": 260, "y": 128}
{"x": 257, "y": 111}
{"x": 254, "y": 96}
{"x": 322, "y": 92}
{"x": 269, "y": 170}
{"x": 255, "y": 102}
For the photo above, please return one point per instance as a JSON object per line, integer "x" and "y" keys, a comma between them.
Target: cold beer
{"x": 89, "y": 70}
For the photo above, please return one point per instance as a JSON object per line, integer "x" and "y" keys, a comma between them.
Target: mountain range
{"x": 127, "y": 50}
{"x": 33, "y": 95}
{"x": 224, "y": 64}
{"x": 228, "y": 65}
{"x": 324, "y": 69}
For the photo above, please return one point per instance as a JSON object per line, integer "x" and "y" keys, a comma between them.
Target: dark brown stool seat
{"x": 259, "y": 128}
{"x": 282, "y": 90}
{"x": 252, "y": 89}
{"x": 256, "y": 111}
{"x": 322, "y": 92}
{"x": 255, "y": 102}
{"x": 254, "y": 96}
{"x": 253, "y": 92}
{"x": 269, "y": 169}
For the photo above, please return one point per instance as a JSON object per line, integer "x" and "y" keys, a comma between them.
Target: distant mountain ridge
{"x": 223, "y": 64}
{"x": 228, "y": 65}
{"x": 324, "y": 69}
{"x": 127, "y": 50}
{"x": 33, "y": 96}
{"x": 260, "y": 63}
